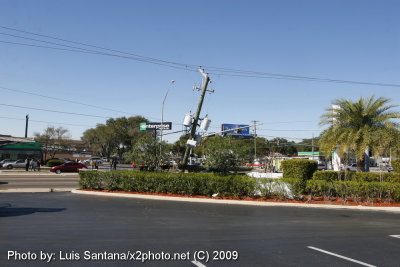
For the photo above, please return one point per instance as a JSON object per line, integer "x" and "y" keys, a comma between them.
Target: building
{"x": 19, "y": 148}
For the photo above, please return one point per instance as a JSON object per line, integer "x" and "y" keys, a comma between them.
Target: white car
{"x": 98, "y": 161}
{"x": 15, "y": 164}
{"x": 350, "y": 168}
{"x": 4, "y": 161}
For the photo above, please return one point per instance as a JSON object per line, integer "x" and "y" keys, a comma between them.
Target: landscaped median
{"x": 317, "y": 189}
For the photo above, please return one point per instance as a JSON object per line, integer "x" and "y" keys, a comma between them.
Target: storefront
{"x": 21, "y": 150}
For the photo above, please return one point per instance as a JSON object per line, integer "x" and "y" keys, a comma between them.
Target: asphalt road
{"x": 262, "y": 236}
{"x": 35, "y": 180}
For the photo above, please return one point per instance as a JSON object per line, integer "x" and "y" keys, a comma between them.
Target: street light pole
{"x": 162, "y": 115}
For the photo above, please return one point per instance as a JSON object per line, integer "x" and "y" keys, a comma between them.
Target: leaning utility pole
{"x": 255, "y": 139}
{"x": 196, "y": 116}
{"x": 26, "y": 125}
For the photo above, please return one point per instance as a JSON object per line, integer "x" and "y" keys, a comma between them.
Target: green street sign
{"x": 143, "y": 126}
{"x": 155, "y": 126}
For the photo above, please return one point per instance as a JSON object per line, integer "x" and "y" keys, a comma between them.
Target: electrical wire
{"x": 64, "y": 100}
{"x": 49, "y": 122}
{"x": 55, "y": 111}
{"x": 189, "y": 67}
{"x": 95, "y": 53}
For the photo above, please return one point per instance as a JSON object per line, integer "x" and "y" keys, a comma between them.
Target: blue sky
{"x": 346, "y": 40}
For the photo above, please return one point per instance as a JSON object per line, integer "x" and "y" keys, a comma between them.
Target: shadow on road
{"x": 7, "y": 211}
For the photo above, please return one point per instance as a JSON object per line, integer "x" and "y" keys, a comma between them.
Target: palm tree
{"x": 359, "y": 126}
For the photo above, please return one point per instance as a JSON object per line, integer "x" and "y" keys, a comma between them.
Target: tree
{"x": 53, "y": 140}
{"x": 146, "y": 151}
{"x": 359, "y": 126}
{"x": 306, "y": 145}
{"x": 221, "y": 154}
{"x": 116, "y": 136}
{"x": 282, "y": 146}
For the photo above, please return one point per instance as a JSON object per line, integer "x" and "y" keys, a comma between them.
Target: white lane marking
{"x": 199, "y": 264}
{"x": 342, "y": 257}
{"x": 395, "y": 236}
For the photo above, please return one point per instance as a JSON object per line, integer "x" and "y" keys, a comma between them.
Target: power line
{"x": 99, "y": 47}
{"x": 73, "y": 102}
{"x": 85, "y": 51}
{"x": 64, "y": 100}
{"x": 277, "y": 130}
{"x": 49, "y": 122}
{"x": 55, "y": 111}
{"x": 189, "y": 67}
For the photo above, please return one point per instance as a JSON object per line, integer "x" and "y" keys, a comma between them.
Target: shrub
{"x": 274, "y": 188}
{"x": 395, "y": 165}
{"x": 177, "y": 183}
{"x": 355, "y": 190}
{"x": 299, "y": 168}
{"x": 357, "y": 176}
{"x": 54, "y": 162}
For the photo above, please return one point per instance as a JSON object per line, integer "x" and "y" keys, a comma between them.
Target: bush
{"x": 299, "y": 168}
{"x": 275, "y": 188}
{"x": 355, "y": 190}
{"x": 207, "y": 184}
{"x": 395, "y": 165}
{"x": 357, "y": 176}
{"x": 54, "y": 162}
{"x": 204, "y": 184}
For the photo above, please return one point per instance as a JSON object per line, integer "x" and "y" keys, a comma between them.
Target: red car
{"x": 68, "y": 167}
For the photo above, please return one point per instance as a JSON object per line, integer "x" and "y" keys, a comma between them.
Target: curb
{"x": 37, "y": 174}
{"x": 35, "y": 190}
{"x": 237, "y": 202}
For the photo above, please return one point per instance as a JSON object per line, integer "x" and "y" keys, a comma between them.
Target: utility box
{"x": 191, "y": 143}
{"x": 187, "y": 121}
{"x": 205, "y": 124}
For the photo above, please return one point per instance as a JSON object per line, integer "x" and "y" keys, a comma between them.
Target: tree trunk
{"x": 361, "y": 164}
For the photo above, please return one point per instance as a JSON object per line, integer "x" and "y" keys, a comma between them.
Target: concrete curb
{"x": 35, "y": 190}
{"x": 237, "y": 202}
{"x": 36, "y": 174}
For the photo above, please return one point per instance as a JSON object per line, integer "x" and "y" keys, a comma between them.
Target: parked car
{"x": 71, "y": 166}
{"x": 4, "y": 161}
{"x": 15, "y": 164}
{"x": 322, "y": 167}
{"x": 351, "y": 168}
{"x": 95, "y": 160}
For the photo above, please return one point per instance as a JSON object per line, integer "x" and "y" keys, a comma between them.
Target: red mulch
{"x": 307, "y": 200}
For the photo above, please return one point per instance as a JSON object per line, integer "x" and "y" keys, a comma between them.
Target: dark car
{"x": 68, "y": 167}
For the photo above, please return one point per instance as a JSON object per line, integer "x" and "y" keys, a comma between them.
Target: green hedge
{"x": 357, "y": 176}
{"x": 356, "y": 190}
{"x": 54, "y": 162}
{"x": 395, "y": 165}
{"x": 204, "y": 184}
{"x": 299, "y": 168}
{"x": 207, "y": 184}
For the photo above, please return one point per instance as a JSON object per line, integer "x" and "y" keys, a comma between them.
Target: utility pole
{"x": 197, "y": 115}
{"x": 312, "y": 146}
{"x": 255, "y": 139}
{"x": 26, "y": 125}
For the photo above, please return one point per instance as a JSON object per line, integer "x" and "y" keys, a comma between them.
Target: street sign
{"x": 155, "y": 126}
